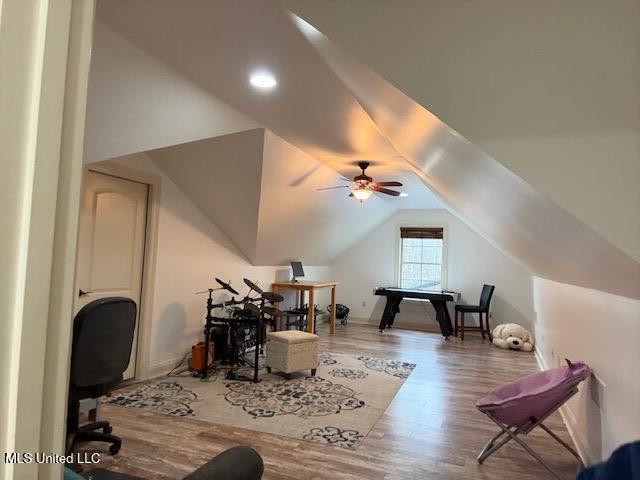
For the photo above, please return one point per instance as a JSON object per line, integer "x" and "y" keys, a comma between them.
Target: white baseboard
{"x": 588, "y": 458}
{"x": 570, "y": 422}
{"x": 541, "y": 363}
{"x": 358, "y": 320}
{"x": 398, "y": 324}
{"x": 161, "y": 368}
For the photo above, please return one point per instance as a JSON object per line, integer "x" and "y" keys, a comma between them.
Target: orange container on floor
{"x": 197, "y": 356}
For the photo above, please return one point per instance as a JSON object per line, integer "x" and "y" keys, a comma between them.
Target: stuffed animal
{"x": 512, "y": 336}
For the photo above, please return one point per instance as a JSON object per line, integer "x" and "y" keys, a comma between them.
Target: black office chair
{"x": 102, "y": 341}
{"x": 297, "y": 318}
{"x": 482, "y": 308}
{"x": 237, "y": 463}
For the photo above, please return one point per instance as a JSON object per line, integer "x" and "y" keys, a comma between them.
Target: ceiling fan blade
{"x": 386, "y": 191}
{"x": 389, "y": 184}
{"x": 331, "y": 188}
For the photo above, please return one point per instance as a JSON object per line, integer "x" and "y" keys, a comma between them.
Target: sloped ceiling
{"x": 480, "y": 65}
{"x": 216, "y": 44}
{"x": 548, "y": 89}
{"x": 297, "y": 222}
{"x": 264, "y": 201}
{"x": 222, "y": 176}
{"x": 259, "y": 190}
{"x": 338, "y": 111}
{"x": 518, "y": 219}
{"x": 137, "y": 103}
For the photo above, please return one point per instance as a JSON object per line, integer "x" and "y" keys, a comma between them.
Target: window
{"x": 421, "y": 258}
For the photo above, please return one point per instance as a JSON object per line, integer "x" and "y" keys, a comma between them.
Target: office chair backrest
{"x": 485, "y": 297}
{"x": 102, "y": 341}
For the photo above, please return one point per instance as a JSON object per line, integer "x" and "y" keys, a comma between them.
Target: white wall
{"x": 191, "y": 251}
{"x": 604, "y": 331}
{"x": 471, "y": 261}
{"x": 136, "y": 103}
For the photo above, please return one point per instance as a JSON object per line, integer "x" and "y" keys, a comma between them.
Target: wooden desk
{"x": 311, "y": 287}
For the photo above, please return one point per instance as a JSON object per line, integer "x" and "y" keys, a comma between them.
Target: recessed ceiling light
{"x": 404, "y": 194}
{"x": 263, "y": 80}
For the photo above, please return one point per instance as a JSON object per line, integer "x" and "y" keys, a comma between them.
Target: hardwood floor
{"x": 431, "y": 430}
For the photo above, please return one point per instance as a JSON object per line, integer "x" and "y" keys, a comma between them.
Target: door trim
{"x": 42, "y": 136}
{"x": 149, "y": 259}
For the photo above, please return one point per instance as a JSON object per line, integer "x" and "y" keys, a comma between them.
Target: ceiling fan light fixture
{"x": 361, "y": 194}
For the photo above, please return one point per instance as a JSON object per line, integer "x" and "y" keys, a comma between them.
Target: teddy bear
{"x": 512, "y": 336}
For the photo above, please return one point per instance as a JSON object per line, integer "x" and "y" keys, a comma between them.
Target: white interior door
{"x": 111, "y": 243}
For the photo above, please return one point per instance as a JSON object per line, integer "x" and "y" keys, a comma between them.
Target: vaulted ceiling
{"x": 516, "y": 217}
{"x": 137, "y": 103}
{"x": 549, "y": 89}
{"x": 260, "y": 191}
{"x": 337, "y": 111}
{"x": 143, "y": 98}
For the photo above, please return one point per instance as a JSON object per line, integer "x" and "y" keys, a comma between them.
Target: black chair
{"x": 237, "y": 463}
{"x": 297, "y": 318}
{"x": 102, "y": 341}
{"x": 482, "y": 308}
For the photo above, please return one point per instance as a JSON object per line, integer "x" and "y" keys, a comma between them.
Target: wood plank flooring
{"x": 431, "y": 430}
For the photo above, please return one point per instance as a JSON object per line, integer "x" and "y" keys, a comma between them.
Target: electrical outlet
{"x": 364, "y": 304}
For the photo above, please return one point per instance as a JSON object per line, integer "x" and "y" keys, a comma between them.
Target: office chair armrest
{"x": 237, "y": 463}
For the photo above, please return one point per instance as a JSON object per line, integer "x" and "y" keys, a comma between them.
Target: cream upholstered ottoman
{"x": 291, "y": 351}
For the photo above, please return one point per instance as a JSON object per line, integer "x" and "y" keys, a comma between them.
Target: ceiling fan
{"x": 363, "y": 186}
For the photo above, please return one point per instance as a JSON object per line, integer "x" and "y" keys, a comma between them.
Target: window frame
{"x": 445, "y": 250}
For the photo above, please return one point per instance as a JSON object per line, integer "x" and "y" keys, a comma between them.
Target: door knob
{"x": 82, "y": 293}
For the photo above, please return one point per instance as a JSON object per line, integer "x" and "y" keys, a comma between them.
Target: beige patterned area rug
{"x": 338, "y": 406}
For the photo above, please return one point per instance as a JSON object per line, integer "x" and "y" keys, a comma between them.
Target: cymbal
{"x": 253, "y": 286}
{"x": 226, "y": 286}
{"x": 272, "y": 297}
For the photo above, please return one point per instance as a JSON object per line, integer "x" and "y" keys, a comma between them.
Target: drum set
{"x": 239, "y": 331}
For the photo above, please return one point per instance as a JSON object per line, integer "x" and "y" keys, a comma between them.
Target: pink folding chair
{"x": 519, "y": 407}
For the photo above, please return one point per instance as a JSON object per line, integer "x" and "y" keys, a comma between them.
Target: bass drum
{"x": 220, "y": 339}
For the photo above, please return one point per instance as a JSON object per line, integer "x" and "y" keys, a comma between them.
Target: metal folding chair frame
{"x": 513, "y": 434}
